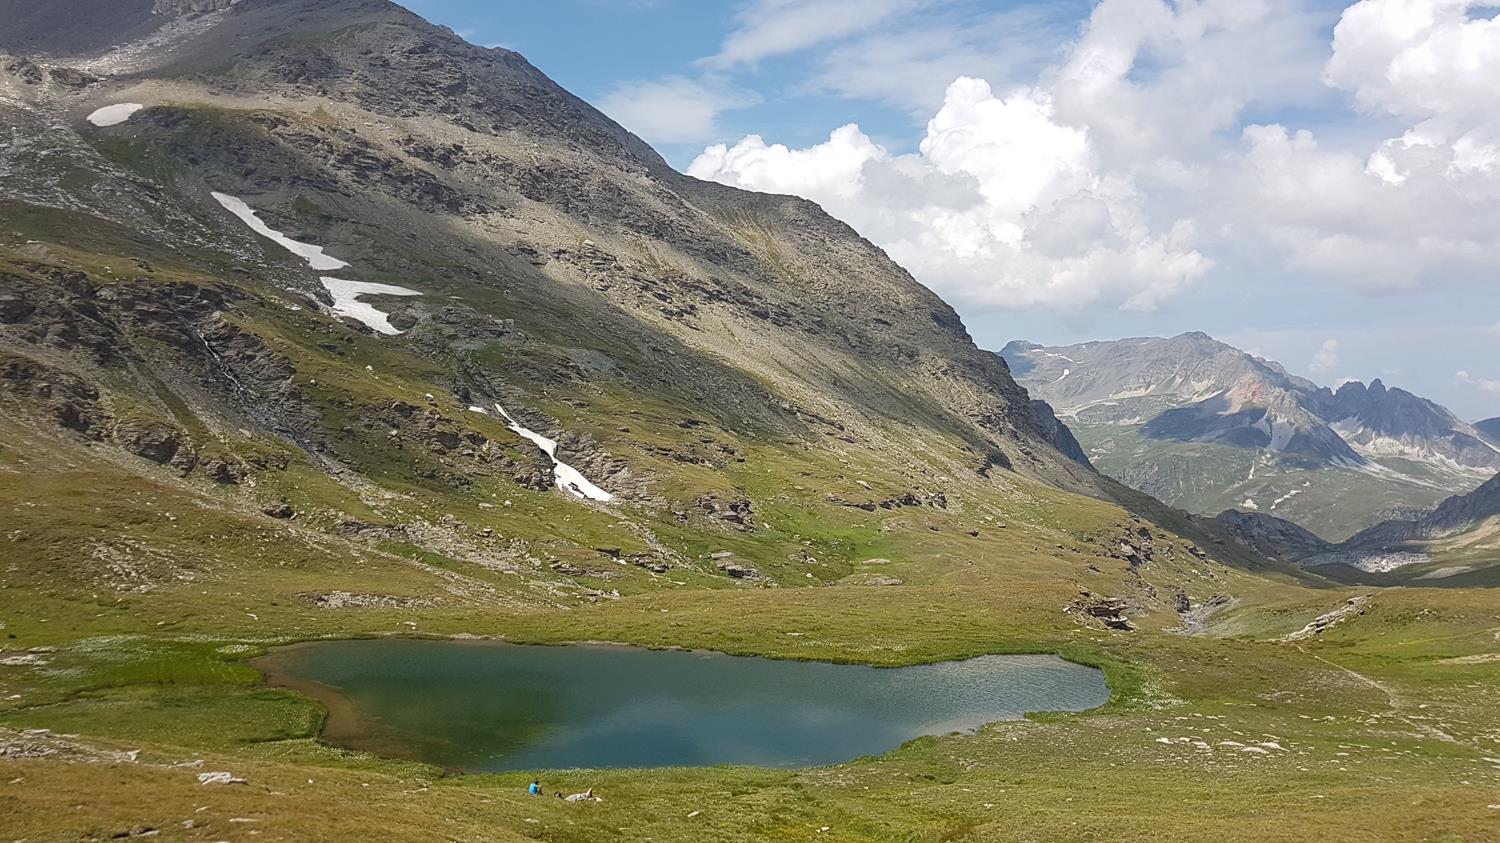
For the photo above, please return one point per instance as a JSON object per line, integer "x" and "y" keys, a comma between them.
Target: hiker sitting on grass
{"x": 535, "y": 789}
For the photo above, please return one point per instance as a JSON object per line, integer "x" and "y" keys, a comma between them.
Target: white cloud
{"x": 1481, "y": 384}
{"x": 1418, "y": 58}
{"x": 1146, "y": 155}
{"x": 1155, "y": 81}
{"x": 1422, "y": 206}
{"x": 911, "y": 65}
{"x": 1326, "y": 359}
{"x": 1002, "y": 207}
{"x": 774, "y": 27}
{"x": 674, "y": 109}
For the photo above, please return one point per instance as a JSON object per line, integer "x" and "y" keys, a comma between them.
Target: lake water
{"x": 484, "y": 706}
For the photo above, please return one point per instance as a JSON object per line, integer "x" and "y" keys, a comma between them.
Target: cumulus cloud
{"x": 1481, "y": 384}
{"x": 1418, "y": 207}
{"x": 1418, "y": 58}
{"x": 1002, "y": 206}
{"x": 674, "y": 109}
{"x": 1326, "y": 359}
{"x": 1143, "y": 154}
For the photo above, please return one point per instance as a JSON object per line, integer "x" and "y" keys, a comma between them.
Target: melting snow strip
{"x": 314, "y": 255}
{"x": 346, "y": 302}
{"x": 114, "y": 115}
{"x": 568, "y": 478}
{"x": 345, "y": 293}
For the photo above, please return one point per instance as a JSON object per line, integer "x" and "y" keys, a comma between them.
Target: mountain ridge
{"x": 338, "y": 242}
{"x": 1193, "y": 421}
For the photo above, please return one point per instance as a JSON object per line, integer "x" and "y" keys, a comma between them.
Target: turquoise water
{"x": 489, "y": 707}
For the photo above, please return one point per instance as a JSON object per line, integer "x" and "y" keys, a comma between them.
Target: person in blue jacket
{"x": 535, "y": 789}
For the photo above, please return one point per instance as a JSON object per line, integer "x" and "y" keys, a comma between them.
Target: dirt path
{"x": 1393, "y": 699}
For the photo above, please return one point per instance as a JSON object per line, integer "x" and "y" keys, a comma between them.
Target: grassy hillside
{"x": 134, "y": 593}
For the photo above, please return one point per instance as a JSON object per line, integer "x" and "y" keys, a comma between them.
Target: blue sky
{"x": 1316, "y": 182}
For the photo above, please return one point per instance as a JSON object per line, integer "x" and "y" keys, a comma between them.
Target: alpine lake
{"x": 485, "y": 706}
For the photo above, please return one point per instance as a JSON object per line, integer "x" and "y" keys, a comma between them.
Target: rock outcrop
{"x": 1272, "y": 536}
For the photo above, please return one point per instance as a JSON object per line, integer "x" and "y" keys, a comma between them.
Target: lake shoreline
{"x": 345, "y": 724}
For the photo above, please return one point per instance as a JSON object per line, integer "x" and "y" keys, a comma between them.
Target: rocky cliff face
{"x": 1058, "y": 433}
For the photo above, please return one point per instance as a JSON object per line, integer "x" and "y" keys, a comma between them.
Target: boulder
{"x": 738, "y": 571}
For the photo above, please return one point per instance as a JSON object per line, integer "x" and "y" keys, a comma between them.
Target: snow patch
{"x": 1065, "y": 373}
{"x": 1286, "y": 497}
{"x": 1250, "y": 504}
{"x": 114, "y": 115}
{"x": 1279, "y": 434}
{"x": 345, "y": 293}
{"x": 346, "y": 302}
{"x": 1372, "y": 562}
{"x": 568, "y": 478}
{"x": 314, "y": 255}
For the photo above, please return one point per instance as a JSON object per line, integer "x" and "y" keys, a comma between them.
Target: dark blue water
{"x": 488, "y": 707}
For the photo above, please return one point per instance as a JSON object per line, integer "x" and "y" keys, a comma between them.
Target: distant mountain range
{"x": 1459, "y": 538}
{"x": 1206, "y": 426}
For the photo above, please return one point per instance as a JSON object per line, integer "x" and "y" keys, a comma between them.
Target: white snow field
{"x": 114, "y": 115}
{"x": 568, "y": 478}
{"x": 314, "y": 255}
{"x": 346, "y": 302}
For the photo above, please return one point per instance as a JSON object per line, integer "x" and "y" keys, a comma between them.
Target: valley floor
{"x": 1382, "y": 728}
{"x": 132, "y": 599}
